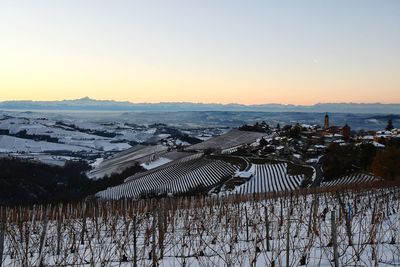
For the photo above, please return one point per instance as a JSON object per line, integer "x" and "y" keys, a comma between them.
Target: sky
{"x": 225, "y": 51}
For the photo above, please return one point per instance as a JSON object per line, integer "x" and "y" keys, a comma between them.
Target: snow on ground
{"x": 270, "y": 178}
{"x": 297, "y": 156}
{"x": 178, "y": 155}
{"x": 136, "y": 136}
{"x": 64, "y": 134}
{"x": 204, "y": 137}
{"x": 313, "y": 160}
{"x": 164, "y": 136}
{"x": 356, "y": 178}
{"x": 214, "y": 231}
{"x": 176, "y": 178}
{"x": 179, "y": 142}
{"x": 155, "y": 163}
{"x": 107, "y": 146}
{"x": 15, "y": 144}
{"x": 151, "y": 131}
{"x": 127, "y": 158}
{"x": 244, "y": 174}
{"x": 53, "y": 160}
{"x": 232, "y": 139}
{"x": 96, "y": 163}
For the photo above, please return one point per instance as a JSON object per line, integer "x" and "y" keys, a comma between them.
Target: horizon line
{"x": 198, "y": 103}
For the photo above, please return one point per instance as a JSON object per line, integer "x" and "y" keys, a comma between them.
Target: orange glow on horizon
{"x": 247, "y": 54}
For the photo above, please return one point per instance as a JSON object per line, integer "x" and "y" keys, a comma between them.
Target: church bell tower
{"x": 326, "y": 122}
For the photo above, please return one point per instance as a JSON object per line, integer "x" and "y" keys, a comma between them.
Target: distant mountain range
{"x": 89, "y": 104}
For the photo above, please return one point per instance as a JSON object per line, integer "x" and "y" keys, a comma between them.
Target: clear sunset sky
{"x": 251, "y": 52}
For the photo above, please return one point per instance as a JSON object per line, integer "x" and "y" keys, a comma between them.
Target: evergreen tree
{"x": 389, "y": 126}
{"x": 263, "y": 142}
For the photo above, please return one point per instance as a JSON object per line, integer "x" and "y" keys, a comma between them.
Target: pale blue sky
{"x": 299, "y": 52}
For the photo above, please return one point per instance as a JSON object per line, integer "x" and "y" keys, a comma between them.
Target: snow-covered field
{"x": 362, "y": 226}
{"x": 232, "y": 139}
{"x": 40, "y": 135}
{"x": 155, "y": 163}
{"x": 67, "y": 138}
{"x": 11, "y": 144}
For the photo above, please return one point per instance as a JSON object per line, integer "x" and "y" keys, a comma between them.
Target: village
{"x": 309, "y": 142}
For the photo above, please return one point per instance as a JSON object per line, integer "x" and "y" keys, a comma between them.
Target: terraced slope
{"x": 229, "y": 140}
{"x": 127, "y": 158}
{"x": 178, "y": 178}
{"x": 270, "y": 178}
{"x": 356, "y": 178}
{"x": 182, "y": 158}
{"x": 177, "y": 155}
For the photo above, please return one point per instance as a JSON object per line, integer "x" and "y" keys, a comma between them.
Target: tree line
{"x": 343, "y": 160}
{"x": 27, "y": 182}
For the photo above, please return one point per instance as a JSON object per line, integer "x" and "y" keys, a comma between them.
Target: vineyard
{"x": 232, "y": 139}
{"x": 181, "y": 177}
{"x": 175, "y": 157}
{"x": 125, "y": 159}
{"x": 270, "y": 178}
{"x": 325, "y": 227}
{"x": 192, "y": 173}
{"x": 356, "y": 178}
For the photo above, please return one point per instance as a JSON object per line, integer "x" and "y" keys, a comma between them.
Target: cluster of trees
{"x": 175, "y": 133}
{"x": 262, "y": 127}
{"x": 343, "y": 160}
{"x": 102, "y": 133}
{"x": 36, "y": 137}
{"x": 386, "y": 163}
{"x": 292, "y": 131}
{"x": 113, "y": 179}
{"x": 28, "y": 182}
{"x": 389, "y": 126}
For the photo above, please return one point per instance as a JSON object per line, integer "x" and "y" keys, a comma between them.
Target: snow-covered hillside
{"x": 42, "y": 135}
{"x": 12, "y": 144}
{"x": 127, "y": 158}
